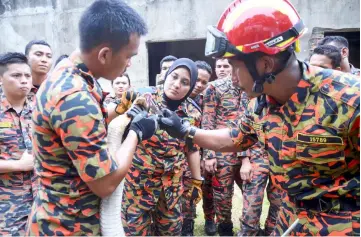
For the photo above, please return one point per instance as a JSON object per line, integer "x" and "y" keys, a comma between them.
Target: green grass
{"x": 236, "y": 213}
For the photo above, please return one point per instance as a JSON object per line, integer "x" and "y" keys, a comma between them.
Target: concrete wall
{"x": 56, "y": 22}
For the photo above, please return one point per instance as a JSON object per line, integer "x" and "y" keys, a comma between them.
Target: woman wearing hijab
{"x": 153, "y": 186}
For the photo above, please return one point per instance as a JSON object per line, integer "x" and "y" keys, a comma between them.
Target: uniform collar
{"x": 295, "y": 106}
{"x": 5, "y": 104}
{"x": 354, "y": 71}
{"x": 83, "y": 70}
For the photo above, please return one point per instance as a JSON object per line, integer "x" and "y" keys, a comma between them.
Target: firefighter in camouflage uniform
{"x": 153, "y": 187}
{"x": 16, "y": 160}
{"x": 307, "y": 118}
{"x": 196, "y": 99}
{"x": 220, "y": 109}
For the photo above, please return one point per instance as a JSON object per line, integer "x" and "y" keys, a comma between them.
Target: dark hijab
{"x": 193, "y": 71}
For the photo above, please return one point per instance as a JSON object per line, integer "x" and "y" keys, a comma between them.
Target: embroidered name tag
{"x": 319, "y": 139}
{"x": 6, "y": 124}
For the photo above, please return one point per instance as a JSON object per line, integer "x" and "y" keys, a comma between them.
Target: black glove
{"x": 144, "y": 126}
{"x": 135, "y": 110}
{"x": 173, "y": 124}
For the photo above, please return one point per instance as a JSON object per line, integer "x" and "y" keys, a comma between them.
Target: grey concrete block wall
{"x": 168, "y": 20}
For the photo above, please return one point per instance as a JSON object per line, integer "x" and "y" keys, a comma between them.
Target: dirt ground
{"x": 236, "y": 213}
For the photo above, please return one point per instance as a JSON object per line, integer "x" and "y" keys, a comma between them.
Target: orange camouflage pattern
{"x": 153, "y": 186}
{"x": 70, "y": 149}
{"x": 16, "y": 194}
{"x": 188, "y": 205}
{"x": 221, "y": 104}
{"x": 313, "y": 146}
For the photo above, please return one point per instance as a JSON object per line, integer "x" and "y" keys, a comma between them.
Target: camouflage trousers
{"x": 311, "y": 223}
{"x": 275, "y": 197}
{"x": 188, "y": 206}
{"x": 15, "y": 207}
{"x": 148, "y": 220}
{"x": 253, "y": 195}
{"x": 218, "y": 192}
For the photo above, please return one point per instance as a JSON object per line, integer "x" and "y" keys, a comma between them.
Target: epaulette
{"x": 343, "y": 87}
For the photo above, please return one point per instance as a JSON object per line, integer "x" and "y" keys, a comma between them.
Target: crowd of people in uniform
{"x": 269, "y": 123}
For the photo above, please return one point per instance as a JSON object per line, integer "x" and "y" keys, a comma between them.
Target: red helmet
{"x": 268, "y": 26}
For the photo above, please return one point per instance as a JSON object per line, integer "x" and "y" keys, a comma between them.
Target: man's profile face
{"x": 241, "y": 74}
{"x": 40, "y": 59}
{"x": 164, "y": 69}
{"x": 321, "y": 61}
{"x": 121, "y": 59}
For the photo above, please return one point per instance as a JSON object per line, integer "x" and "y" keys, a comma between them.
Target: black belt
{"x": 328, "y": 204}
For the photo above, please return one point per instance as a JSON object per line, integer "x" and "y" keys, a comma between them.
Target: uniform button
{"x": 21, "y": 139}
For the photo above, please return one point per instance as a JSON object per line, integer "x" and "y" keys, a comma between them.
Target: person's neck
{"x": 345, "y": 65}
{"x": 286, "y": 83}
{"x": 17, "y": 104}
{"x": 38, "y": 79}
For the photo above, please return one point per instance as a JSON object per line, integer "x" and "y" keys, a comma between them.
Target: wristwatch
{"x": 190, "y": 135}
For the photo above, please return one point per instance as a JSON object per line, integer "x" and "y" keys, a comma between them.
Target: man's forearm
{"x": 106, "y": 185}
{"x": 7, "y": 166}
{"x": 125, "y": 153}
{"x": 194, "y": 163}
{"x": 217, "y": 140}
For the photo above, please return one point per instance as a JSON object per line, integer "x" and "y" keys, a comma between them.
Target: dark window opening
{"x": 193, "y": 49}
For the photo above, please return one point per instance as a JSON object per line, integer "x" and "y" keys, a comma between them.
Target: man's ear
{"x": 267, "y": 64}
{"x": 105, "y": 55}
{"x": 344, "y": 52}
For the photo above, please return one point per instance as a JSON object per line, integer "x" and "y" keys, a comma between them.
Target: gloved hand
{"x": 173, "y": 124}
{"x": 195, "y": 194}
{"x": 144, "y": 126}
{"x": 126, "y": 101}
{"x": 135, "y": 110}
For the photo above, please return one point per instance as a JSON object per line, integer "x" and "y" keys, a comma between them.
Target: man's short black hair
{"x": 331, "y": 52}
{"x": 169, "y": 58}
{"x": 205, "y": 66}
{"x": 340, "y": 41}
{"x": 217, "y": 59}
{"x": 109, "y": 22}
{"x": 61, "y": 57}
{"x": 124, "y": 75}
{"x": 33, "y": 42}
{"x": 11, "y": 58}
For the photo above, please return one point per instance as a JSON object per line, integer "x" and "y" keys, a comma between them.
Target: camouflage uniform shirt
{"x": 313, "y": 139}
{"x": 70, "y": 149}
{"x": 220, "y": 110}
{"x": 15, "y": 187}
{"x": 158, "y": 161}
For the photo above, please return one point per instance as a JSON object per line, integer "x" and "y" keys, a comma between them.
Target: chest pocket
{"x": 320, "y": 154}
{"x": 8, "y": 139}
{"x": 261, "y": 135}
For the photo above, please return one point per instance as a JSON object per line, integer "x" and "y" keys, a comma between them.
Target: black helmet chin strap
{"x": 259, "y": 80}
